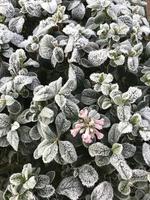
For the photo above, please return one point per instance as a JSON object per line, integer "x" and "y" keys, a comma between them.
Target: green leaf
{"x": 70, "y": 187}
{"x": 67, "y": 151}
{"x": 103, "y": 191}
{"x": 117, "y": 148}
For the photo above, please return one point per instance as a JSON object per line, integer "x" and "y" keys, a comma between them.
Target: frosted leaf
{"x": 3, "y": 142}
{"x": 27, "y": 170}
{"x": 60, "y": 100}
{"x": 16, "y": 24}
{"x": 17, "y": 39}
{"x": 102, "y": 161}
{"x": 139, "y": 175}
{"x": 13, "y": 139}
{"x": 46, "y": 192}
{"x": 20, "y": 81}
{"x": 146, "y": 153}
{"x": 104, "y": 102}
{"x": 119, "y": 163}
{"x": 114, "y": 134}
{"x": 98, "y": 57}
{"x": 16, "y": 179}
{"x": 73, "y": 4}
{"x": 68, "y": 87}
{"x": 46, "y": 132}
{"x": 34, "y": 134}
{"x": 124, "y": 187}
{"x": 62, "y": 124}
{"x": 40, "y": 149}
{"x": 98, "y": 149}
{"x": 44, "y": 27}
{"x": 30, "y": 183}
{"x": 23, "y": 133}
{"x": 133, "y": 64}
{"x": 7, "y": 9}
{"x": 103, "y": 191}
{"x": 124, "y": 113}
{"x": 46, "y": 46}
{"x": 31, "y": 7}
{"x": 4, "y": 131}
{"x": 128, "y": 150}
{"x": 55, "y": 86}
{"x": 133, "y": 94}
{"x": 16, "y": 61}
{"x": 14, "y": 108}
{"x": 46, "y": 116}
{"x": 70, "y": 187}
{"x": 4, "y": 120}
{"x": 58, "y": 54}
{"x": 145, "y": 113}
{"x": 89, "y": 96}
{"x": 42, "y": 181}
{"x": 31, "y": 62}
{"x": 125, "y": 127}
{"x": 70, "y": 109}
{"x": 76, "y": 73}
{"x": 50, "y": 152}
{"x": 28, "y": 195}
{"x": 88, "y": 175}
{"x": 43, "y": 93}
{"x": 145, "y": 134}
{"x": 49, "y": 5}
{"x": 78, "y": 12}
{"x": 67, "y": 151}
{"x": 126, "y": 20}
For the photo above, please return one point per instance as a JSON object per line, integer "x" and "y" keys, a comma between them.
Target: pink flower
{"x": 89, "y": 125}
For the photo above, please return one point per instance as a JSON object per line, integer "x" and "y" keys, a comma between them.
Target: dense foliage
{"x": 74, "y": 100}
